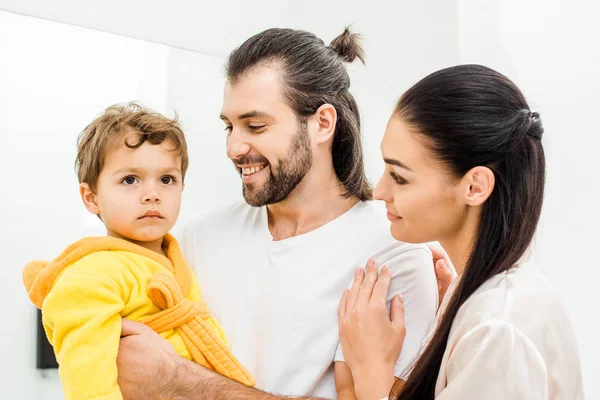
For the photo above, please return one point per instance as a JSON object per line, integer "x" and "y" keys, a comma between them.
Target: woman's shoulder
{"x": 519, "y": 311}
{"x": 522, "y": 298}
{"x": 519, "y": 295}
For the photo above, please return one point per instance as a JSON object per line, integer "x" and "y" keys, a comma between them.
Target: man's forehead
{"x": 257, "y": 94}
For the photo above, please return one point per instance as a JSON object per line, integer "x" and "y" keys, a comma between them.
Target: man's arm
{"x": 149, "y": 368}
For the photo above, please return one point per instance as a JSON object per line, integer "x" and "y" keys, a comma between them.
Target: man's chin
{"x": 254, "y": 201}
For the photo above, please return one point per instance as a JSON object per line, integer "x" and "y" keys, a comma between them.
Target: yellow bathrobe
{"x": 84, "y": 293}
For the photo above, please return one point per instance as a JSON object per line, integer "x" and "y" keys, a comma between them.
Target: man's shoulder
{"x": 371, "y": 222}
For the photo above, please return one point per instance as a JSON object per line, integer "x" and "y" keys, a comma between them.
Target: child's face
{"x": 138, "y": 194}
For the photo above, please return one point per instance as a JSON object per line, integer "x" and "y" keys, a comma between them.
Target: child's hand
{"x": 143, "y": 358}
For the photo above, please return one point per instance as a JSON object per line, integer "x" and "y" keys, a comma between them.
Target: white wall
{"x": 213, "y": 27}
{"x": 551, "y": 50}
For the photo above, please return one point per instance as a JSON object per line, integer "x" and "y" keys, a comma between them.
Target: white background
{"x": 54, "y": 78}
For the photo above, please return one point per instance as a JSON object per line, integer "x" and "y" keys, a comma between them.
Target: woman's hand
{"x": 444, "y": 270}
{"x": 371, "y": 340}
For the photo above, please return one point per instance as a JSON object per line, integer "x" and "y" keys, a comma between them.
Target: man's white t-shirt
{"x": 511, "y": 339}
{"x": 278, "y": 300}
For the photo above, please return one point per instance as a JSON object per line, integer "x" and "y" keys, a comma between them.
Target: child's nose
{"x": 151, "y": 195}
{"x": 153, "y": 198}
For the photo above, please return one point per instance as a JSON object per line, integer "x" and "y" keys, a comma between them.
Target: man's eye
{"x": 256, "y": 127}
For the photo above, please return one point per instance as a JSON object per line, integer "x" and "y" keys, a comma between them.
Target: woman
{"x": 465, "y": 166}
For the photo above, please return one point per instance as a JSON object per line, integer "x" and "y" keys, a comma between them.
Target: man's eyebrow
{"x": 250, "y": 114}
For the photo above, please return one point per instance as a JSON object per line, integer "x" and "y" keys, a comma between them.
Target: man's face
{"x": 268, "y": 146}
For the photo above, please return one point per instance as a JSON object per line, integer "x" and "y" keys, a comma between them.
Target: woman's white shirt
{"x": 511, "y": 340}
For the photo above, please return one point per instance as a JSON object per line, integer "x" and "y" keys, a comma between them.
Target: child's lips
{"x": 152, "y": 214}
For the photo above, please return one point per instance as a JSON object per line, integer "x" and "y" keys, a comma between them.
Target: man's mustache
{"x": 246, "y": 160}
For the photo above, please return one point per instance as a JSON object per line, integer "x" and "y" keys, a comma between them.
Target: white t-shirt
{"x": 278, "y": 300}
{"x": 511, "y": 340}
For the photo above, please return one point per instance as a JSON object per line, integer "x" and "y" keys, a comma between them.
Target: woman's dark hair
{"x": 469, "y": 116}
{"x": 314, "y": 74}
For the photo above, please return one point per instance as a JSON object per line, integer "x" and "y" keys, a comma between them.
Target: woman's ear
{"x": 89, "y": 198}
{"x": 479, "y": 184}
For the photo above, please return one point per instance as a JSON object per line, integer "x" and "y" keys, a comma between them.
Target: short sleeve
{"x": 494, "y": 361}
{"x": 412, "y": 276}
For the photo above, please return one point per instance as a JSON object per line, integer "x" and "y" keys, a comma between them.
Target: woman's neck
{"x": 459, "y": 245}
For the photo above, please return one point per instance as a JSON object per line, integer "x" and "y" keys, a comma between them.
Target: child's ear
{"x": 89, "y": 198}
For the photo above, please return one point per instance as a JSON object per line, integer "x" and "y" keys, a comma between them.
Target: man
{"x": 273, "y": 270}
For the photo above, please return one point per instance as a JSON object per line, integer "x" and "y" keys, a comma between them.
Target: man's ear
{"x": 89, "y": 198}
{"x": 479, "y": 185}
{"x": 323, "y": 122}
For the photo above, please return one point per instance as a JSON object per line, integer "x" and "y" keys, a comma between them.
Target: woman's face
{"x": 425, "y": 202}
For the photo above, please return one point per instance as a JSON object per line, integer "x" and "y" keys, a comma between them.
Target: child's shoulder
{"x": 102, "y": 261}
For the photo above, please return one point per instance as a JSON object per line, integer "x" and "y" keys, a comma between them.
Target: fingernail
{"x": 385, "y": 269}
{"x": 371, "y": 262}
{"x": 399, "y": 296}
{"x": 358, "y": 271}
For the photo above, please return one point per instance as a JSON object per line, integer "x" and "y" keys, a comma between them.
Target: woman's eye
{"x": 399, "y": 180}
{"x": 129, "y": 180}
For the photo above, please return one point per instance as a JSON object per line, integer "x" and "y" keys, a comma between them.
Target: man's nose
{"x": 237, "y": 144}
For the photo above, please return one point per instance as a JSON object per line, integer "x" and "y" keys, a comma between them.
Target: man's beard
{"x": 289, "y": 173}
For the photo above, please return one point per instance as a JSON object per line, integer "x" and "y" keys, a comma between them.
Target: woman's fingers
{"x": 382, "y": 285}
{"x": 354, "y": 290}
{"x": 342, "y": 306}
{"x": 366, "y": 288}
{"x": 437, "y": 252}
{"x": 445, "y": 275}
{"x": 397, "y": 312}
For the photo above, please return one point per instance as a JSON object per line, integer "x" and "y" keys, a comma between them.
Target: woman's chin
{"x": 401, "y": 234}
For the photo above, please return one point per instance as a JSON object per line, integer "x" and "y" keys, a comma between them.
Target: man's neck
{"x": 310, "y": 206}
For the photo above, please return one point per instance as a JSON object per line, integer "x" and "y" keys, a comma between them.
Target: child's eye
{"x": 129, "y": 180}
{"x": 167, "y": 180}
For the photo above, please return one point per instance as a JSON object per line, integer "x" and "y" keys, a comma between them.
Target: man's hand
{"x": 444, "y": 270}
{"x": 144, "y": 361}
{"x": 150, "y": 369}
